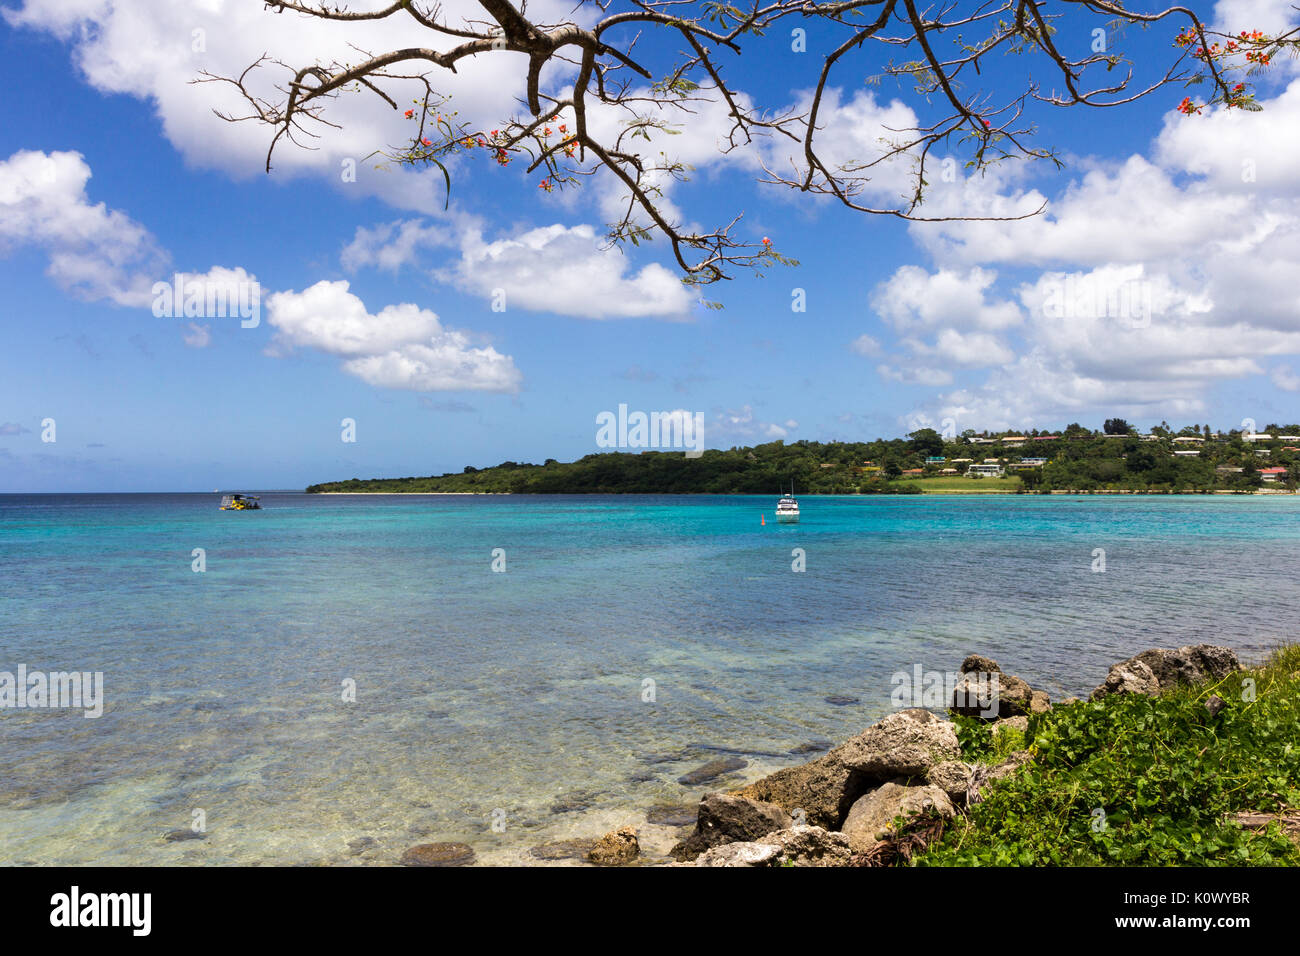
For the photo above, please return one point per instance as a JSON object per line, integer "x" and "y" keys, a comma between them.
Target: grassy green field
{"x": 956, "y": 484}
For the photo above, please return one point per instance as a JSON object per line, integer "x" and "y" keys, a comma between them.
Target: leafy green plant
{"x": 1137, "y": 781}
{"x": 974, "y": 737}
{"x": 1006, "y": 741}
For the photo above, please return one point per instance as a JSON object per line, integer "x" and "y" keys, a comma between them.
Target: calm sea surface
{"x": 521, "y": 694}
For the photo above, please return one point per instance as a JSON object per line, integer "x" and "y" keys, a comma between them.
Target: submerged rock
{"x": 563, "y": 850}
{"x": 616, "y": 848}
{"x": 574, "y": 802}
{"x": 361, "y": 844}
{"x": 841, "y": 700}
{"x": 184, "y": 833}
{"x": 438, "y": 854}
{"x": 726, "y": 818}
{"x": 675, "y": 816}
{"x": 811, "y": 747}
{"x": 653, "y": 759}
{"x": 712, "y": 770}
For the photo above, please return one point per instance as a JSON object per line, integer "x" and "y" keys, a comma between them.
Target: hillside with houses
{"x": 1114, "y": 459}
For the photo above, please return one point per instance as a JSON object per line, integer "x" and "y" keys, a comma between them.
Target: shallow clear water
{"x": 522, "y": 691}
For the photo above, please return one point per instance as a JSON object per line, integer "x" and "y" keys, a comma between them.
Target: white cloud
{"x": 853, "y": 133}
{"x": 329, "y": 318}
{"x": 915, "y": 375}
{"x": 95, "y": 253}
{"x": 198, "y": 336}
{"x": 564, "y": 269}
{"x": 447, "y": 365}
{"x": 1159, "y": 277}
{"x": 1286, "y": 379}
{"x": 967, "y": 349}
{"x": 741, "y": 426}
{"x": 1235, "y": 151}
{"x": 1270, "y": 16}
{"x": 695, "y": 140}
{"x": 152, "y": 49}
{"x": 390, "y": 246}
{"x": 954, "y": 309}
{"x": 866, "y": 345}
{"x": 913, "y": 300}
{"x": 403, "y": 346}
{"x": 1165, "y": 330}
{"x": 1041, "y": 387}
{"x": 1131, "y": 212}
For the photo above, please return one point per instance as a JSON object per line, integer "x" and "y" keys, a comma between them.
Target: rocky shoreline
{"x": 846, "y": 807}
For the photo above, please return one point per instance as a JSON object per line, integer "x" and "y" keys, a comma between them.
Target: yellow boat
{"x": 240, "y": 503}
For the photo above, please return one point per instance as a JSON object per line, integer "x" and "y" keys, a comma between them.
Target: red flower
{"x": 985, "y": 122}
{"x": 767, "y": 241}
{"x": 426, "y": 141}
{"x": 410, "y": 113}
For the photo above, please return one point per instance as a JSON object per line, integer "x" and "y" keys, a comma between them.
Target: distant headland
{"x": 1114, "y": 460}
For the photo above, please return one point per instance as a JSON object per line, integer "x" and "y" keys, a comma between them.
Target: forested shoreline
{"x": 1116, "y": 459}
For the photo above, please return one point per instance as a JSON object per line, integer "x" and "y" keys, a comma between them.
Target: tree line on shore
{"x": 1077, "y": 459}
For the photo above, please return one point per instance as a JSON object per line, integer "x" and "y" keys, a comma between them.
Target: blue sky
{"x": 114, "y": 174}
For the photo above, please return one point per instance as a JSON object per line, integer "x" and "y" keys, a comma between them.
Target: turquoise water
{"x": 522, "y": 692}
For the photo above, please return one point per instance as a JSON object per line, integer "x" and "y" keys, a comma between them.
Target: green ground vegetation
{"x": 1129, "y": 780}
